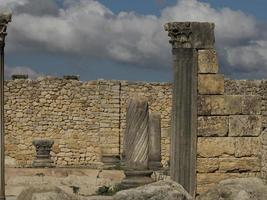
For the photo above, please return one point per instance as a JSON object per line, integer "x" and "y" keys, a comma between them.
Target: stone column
{"x": 43, "y": 149}
{"x": 136, "y": 142}
{"x": 186, "y": 39}
{"x": 154, "y": 141}
{"x": 264, "y": 155}
{"x": 4, "y": 20}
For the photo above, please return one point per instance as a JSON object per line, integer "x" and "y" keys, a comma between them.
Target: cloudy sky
{"x": 124, "y": 39}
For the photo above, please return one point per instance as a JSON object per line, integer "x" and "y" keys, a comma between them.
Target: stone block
{"x": 211, "y": 105}
{"x": 207, "y": 180}
{"x": 245, "y": 125}
{"x": 213, "y": 126}
{"x": 251, "y": 164}
{"x": 205, "y": 165}
{"x": 233, "y": 104}
{"x": 215, "y": 146}
{"x": 210, "y": 84}
{"x": 207, "y": 61}
{"x": 247, "y": 146}
{"x": 251, "y": 105}
{"x": 219, "y": 104}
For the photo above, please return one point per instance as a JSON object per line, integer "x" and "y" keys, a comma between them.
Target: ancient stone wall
{"x": 229, "y": 125}
{"x": 85, "y": 119}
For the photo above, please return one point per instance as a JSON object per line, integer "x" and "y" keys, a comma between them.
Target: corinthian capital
{"x": 5, "y": 18}
{"x": 191, "y": 34}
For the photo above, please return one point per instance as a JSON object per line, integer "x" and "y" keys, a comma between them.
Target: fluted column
{"x": 4, "y": 20}
{"x": 186, "y": 38}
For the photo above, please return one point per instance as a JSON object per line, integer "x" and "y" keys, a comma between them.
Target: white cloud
{"x": 86, "y": 27}
{"x": 9, "y": 71}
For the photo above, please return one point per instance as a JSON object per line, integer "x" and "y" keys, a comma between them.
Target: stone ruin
{"x": 217, "y": 128}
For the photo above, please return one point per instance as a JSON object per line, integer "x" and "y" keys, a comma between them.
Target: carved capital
{"x": 5, "y": 18}
{"x": 191, "y": 34}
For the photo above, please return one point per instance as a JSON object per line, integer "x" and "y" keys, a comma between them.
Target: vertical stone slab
{"x": 186, "y": 39}
{"x": 154, "y": 141}
{"x": 136, "y": 143}
{"x": 136, "y": 135}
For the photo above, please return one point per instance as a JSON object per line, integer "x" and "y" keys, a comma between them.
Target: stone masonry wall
{"x": 85, "y": 119}
{"x": 229, "y": 125}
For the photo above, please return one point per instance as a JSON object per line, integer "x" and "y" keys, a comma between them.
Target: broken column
{"x": 154, "y": 141}
{"x": 136, "y": 142}
{"x": 43, "y": 149}
{"x": 186, "y": 38}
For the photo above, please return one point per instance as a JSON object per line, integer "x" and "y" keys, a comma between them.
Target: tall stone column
{"x": 136, "y": 144}
{"x": 186, "y": 39}
{"x": 154, "y": 141}
{"x": 4, "y": 20}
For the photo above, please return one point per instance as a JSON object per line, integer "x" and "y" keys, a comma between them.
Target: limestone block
{"x": 210, "y": 105}
{"x": 247, "y": 146}
{"x": 233, "y": 104}
{"x": 251, "y": 164}
{"x": 215, "y": 146}
{"x": 210, "y": 84}
{"x": 212, "y": 126}
{"x": 219, "y": 104}
{"x": 206, "y": 180}
{"x": 245, "y": 125}
{"x": 251, "y": 105}
{"x": 207, "y": 61}
{"x": 207, "y": 165}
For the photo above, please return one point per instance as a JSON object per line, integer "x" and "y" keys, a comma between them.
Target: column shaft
{"x": 184, "y": 115}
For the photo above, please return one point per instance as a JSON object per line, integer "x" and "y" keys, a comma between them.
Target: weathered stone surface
{"x": 184, "y": 118}
{"x": 136, "y": 144}
{"x": 210, "y": 84}
{"x": 251, "y": 105}
{"x": 44, "y": 192}
{"x": 136, "y": 134}
{"x": 136, "y": 178}
{"x": 213, "y": 126}
{"x": 208, "y": 180}
{"x": 197, "y": 35}
{"x": 215, "y": 146}
{"x": 219, "y": 104}
{"x": 245, "y": 125}
{"x": 247, "y": 146}
{"x": 237, "y": 189}
{"x": 162, "y": 190}
{"x": 43, "y": 149}
{"x": 10, "y": 162}
{"x": 233, "y": 104}
{"x": 207, "y": 165}
{"x": 154, "y": 158}
{"x": 251, "y": 164}
{"x": 207, "y": 61}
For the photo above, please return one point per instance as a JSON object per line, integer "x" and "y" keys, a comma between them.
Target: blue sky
{"x": 121, "y": 39}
